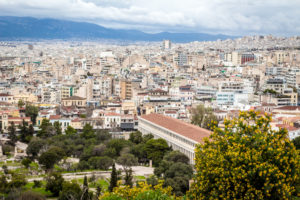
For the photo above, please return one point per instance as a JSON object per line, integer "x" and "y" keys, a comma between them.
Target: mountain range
{"x": 21, "y": 28}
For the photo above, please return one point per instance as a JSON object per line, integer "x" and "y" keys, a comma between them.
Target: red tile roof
{"x": 5, "y": 95}
{"x": 288, "y": 108}
{"x": 76, "y": 120}
{"x": 112, "y": 114}
{"x": 55, "y": 117}
{"x": 185, "y": 129}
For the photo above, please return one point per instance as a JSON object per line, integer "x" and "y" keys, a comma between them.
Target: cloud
{"x": 239, "y": 17}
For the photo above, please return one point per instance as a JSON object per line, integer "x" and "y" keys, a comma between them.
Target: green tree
{"x": 46, "y": 129}
{"x": 26, "y": 162}
{"x": 113, "y": 178}
{"x": 176, "y": 156}
{"x": 30, "y": 132}
{"x": 127, "y": 160}
{"x": 54, "y": 182}
{"x": 176, "y": 172}
{"x": 85, "y": 189}
{"x": 246, "y": 160}
{"x": 32, "y": 112}
{"x": 136, "y": 137}
{"x": 204, "y": 117}
{"x": 118, "y": 145}
{"x": 70, "y": 190}
{"x": 147, "y": 137}
{"x": 4, "y": 184}
{"x": 87, "y": 132}
{"x": 17, "y": 180}
{"x": 57, "y": 127}
{"x": 34, "y": 147}
{"x": 99, "y": 150}
{"x": 128, "y": 177}
{"x": 296, "y": 142}
{"x": 100, "y": 162}
{"x": 102, "y": 135}
{"x": 70, "y": 130}
{"x": 5, "y": 169}
{"x": 48, "y": 158}
{"x": 21, "y": 103}
{"x": 12, "y": 134}
{"x": 156, "y": 149}
{"x": 140, "y": 152}
{"x": 24, "y": 132}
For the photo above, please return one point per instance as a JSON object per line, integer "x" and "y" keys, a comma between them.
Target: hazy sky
{"x": 236, "y": 17}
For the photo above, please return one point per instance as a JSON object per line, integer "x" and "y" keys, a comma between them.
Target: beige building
{"x": 74, "y": 101}
{"x": 26, "y": 98}
{"x": 281, "y": 57}
{"x": 126, "y": 89}
{"x": 67, "y": 91}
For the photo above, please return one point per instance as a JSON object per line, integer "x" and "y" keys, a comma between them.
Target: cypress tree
{"x": 12, "y": 134}
{"x": 113, "y": 178}
{"x": 85, "y": 189}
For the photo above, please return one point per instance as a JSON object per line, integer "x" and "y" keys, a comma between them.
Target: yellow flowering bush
{"x": 143, "y": 191}
{"x": 246, "y": 160}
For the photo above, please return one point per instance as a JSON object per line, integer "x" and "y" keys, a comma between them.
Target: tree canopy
{"x": 204, "y": 117}
{"x": 246, "y": 160}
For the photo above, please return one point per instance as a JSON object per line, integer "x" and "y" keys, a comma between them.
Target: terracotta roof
{"x": 288, "y": 108}
{"x": 5, "y": 95}
{"x": 19, "y": 118}
{"x": 268, "y": 104}
{"x": 54, "y": 117}
{"x": 170, "y": 112}
{"x": 112, "y": 114}
{"x": 185, "y": 129}
{"x": 76, "y": 120}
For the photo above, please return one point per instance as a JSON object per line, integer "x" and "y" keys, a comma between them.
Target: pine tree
{"x": 113, "y": 178}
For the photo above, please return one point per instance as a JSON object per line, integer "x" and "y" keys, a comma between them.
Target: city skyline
{"x": 229, "y": 17}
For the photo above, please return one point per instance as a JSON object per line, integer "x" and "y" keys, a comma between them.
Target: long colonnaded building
{"x": 179, "y": 135}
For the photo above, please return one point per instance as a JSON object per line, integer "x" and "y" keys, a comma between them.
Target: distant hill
{"x": 16, "y": 28}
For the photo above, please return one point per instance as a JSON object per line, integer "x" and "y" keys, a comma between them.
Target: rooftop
{"x": 185, "y": 129}
{"x": 74, "y": 98}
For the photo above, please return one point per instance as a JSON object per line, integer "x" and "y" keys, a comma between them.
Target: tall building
{"x": 166, "y": 44}
{"x": 126, "y": 89}
{"x": 238, "y": 58}
{"x": 180, "y": 58}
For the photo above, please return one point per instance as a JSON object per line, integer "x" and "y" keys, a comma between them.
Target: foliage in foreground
{"x": 246, "y": 160}
{"x": 141, "y": 192}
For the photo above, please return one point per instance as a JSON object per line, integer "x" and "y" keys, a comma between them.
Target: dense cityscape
{"x": 119, "y": 95}
{"x": 149, "y": 100}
